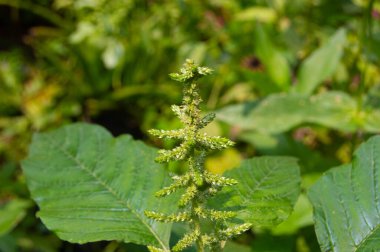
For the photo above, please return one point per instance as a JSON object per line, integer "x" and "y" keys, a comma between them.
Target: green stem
{"x": 197, "y": 226}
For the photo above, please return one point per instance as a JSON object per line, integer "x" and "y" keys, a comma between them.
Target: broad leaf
{"x": 91, "y": 187}
{"x": 267, "y": 191}
{"x": 11, "y": 214}
{"x": 346, "y": 203}
{"x": 279, "y": 113}
{"x": 321, "y": 64}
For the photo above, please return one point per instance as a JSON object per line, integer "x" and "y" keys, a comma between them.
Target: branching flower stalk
{"x": 198, "y": 184}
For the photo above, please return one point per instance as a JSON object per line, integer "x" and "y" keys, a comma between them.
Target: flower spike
{"x": 197, "y": 185}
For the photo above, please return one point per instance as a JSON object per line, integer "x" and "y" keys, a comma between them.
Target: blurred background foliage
{"x": 298, "y": 78}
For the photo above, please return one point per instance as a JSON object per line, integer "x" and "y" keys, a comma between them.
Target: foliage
{"x": 107, "y": 189}
{"x": 346, "y": 202}
{"x": 293, "y": 78}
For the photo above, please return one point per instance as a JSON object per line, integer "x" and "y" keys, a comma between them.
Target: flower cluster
{"x": 198, "y": 183}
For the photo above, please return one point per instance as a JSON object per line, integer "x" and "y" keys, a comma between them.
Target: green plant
{"x": 295, "y": 78}
{"x": 199, "y": 184}
{"x": 80, "y": 176}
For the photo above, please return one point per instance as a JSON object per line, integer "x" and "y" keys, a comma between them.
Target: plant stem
{"x": 199, "y": 243}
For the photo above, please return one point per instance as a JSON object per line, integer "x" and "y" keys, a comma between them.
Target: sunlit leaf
{"x": 263, "y": 14}
{"x": 11, "y": 214}
{"x": 278, "y": 113}
{"x": 321, "y": 64}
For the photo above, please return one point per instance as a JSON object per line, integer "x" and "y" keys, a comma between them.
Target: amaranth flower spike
{"x": 198, "y": 183}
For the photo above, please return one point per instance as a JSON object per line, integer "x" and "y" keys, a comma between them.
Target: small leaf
{"x": 346, "y": 203}
{"x": 321, "y": 64}
{"x": 90, "y": 186}
{"x": 267, "y": 190}
{"x": 275, "y": 63}
{"x": 11, "y": 214}
{"x": 262, "y": 14}
{"x": 302, "y": 216}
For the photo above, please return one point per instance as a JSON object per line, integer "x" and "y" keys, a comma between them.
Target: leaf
{"x": 372, "y": 121}
{"x": 268, "y": 243}
{"x": 275, "y": 63}
{"x": 302, "y": 216}
{"x": 11, "y": 214}
{"x": 268, "y": 189}
{"x": 233, "y": 247}
{"x": 321, "y": 64}
{"x": 262, "y": 14}
{"x": 285, "y": 145}
{"x": 346, "y": 203}
{"x": 278, "y": 113}
{"x": 91, "y": 187}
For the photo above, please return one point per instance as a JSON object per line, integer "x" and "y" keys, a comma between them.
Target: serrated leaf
{"x": 267, "y": 190}
{"x": 12, "y": 213}
{"x": 321, "y": 64}
{"x": 90, "y": 186}
{"x": 278, "y": 113}
{"x": 346, "y": 203}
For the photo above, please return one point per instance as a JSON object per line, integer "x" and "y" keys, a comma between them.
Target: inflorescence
{"x": 197, "y": 182}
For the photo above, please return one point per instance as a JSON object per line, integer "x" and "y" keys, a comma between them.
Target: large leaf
{"x": 91, "y": 187}
{"x": 346, "y": 203}
{"x": 321, "y": 64}
{"x": 267, "y": 191}
{"x": 279, "y": 112}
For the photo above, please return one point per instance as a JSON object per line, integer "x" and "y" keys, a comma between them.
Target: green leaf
{"x": 372, "y": 121}
{"x": 285, "y": 145}
{"x": 233, "y": 247}
{"x": 11, "y": 214}
{"x": 278, "y": 113}
{"x": 346, "y": 203}
{"x": 267, "y": 191}
{"x": 321, "y": 64}
{"x": 262, "y": 14}
{"x": 269, "y": 243}
{"x": 302, "y": 216}
{"x": 91, "y": 187}
{"x": 274, "y": 61}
